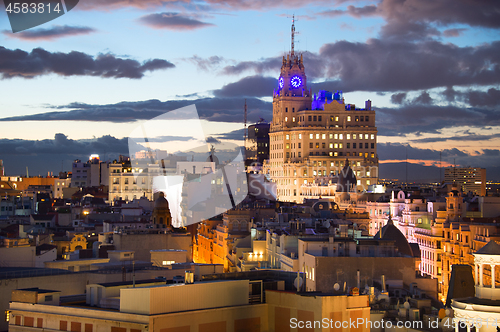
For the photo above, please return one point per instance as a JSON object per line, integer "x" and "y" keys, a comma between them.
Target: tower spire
{"x": 293, "y": 36}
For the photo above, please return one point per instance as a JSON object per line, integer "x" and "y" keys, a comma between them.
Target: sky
{"x": 82, "y": 83}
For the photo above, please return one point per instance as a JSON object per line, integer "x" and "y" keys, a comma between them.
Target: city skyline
{"x": 430, "y": 69}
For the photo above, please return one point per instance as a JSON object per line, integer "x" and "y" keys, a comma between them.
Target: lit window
{"x": 300, "y": 136}
{"x": 368, "y": 182}
{"x": 323, "y": 136}
{"x": 331, "y": 145}
{"x": 336, "y": 118}
{"x": 336, "y": 146}
{"x": 353, "y": 136}
{"x": 305, "y": 181}
{"x": 336, "y": 136}
{"x": 335, "y": 154}
{"x": 286, "y": 118}
{"x": 348, "y": 118}
{"x": 358, "y": 182}
{"x": 287, "y": 136}
{"x": 317, "y": 136}
{"x": 367, "y": 173}
{"x": 293, "y": 119}
{"x": 372, "y": 136}
{"x": 341, "y": 136}
{"x": 311, "y": 136}
{"x": 331, "y": 136}
{"x": 348, "y": 136}
{"x": 331, "y": 153}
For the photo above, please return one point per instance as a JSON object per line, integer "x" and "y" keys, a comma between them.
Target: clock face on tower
{"x": 296, "y": 81}
{"x": 281, "y": 82}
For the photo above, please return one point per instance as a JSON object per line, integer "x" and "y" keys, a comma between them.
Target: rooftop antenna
{"x": 407, "y": 166}
{"x": 292, "y": 53}
{"x": 440, "y": 168}
{"x": 245, "y": 119}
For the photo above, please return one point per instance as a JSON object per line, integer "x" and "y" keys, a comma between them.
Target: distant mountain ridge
{"x": 421, "y": 173}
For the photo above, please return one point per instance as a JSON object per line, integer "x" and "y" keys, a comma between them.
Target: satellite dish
{"x": 336, "y": 286}
{"x": 298, "y": 282}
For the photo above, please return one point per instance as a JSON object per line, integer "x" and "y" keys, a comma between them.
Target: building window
{"x": 300, "y": 136}
{"x": 372, "y": 136}
{"x": 341, "y": 136}
{"x": 293, "y": 119}
{"x": 348, "y": 118}
{"x": 317, "y": 136}
{"x": 331, "y": 145}
{"x": 366, "y": 136}
{"x": 317, "y": 145}
{"x": 310, "y": 145}
{"x": 336, "y": 118}
{"x": 314, "y": 118}
{"x": 311, "y": 136}
{"x": 319, "y": 117}
{"x": 348, "y": 145}
{"x": 287, "y": 136}
{"x": 286, "y": 109}
{"x": 367, "y": 118}
{"x": 323, "y": 136}
{"x": 356, "y": 119}
{"x": 366, "y": 145}
{"x": 309, "y": 118}
{"x": 373, "y": 145}
{"x": 286, "y": 119}
{"x": 353, "y": 145}
{"x": 361, "y": 118}
{"x": 353, "y": 136}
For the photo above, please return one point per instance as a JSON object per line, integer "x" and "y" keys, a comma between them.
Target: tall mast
{"x": 293, "y": 35}
{"x": 245, "y": 119}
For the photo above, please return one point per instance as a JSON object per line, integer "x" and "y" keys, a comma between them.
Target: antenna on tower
{"x": 293, "y": 34}
{"x": 245, "y": 119}
{"x": 292, "y": 53}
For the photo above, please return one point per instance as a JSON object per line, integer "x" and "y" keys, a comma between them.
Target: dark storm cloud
{"x": 379, "y": 65}
{"x": 415, "y": 118}
{"x": 61, "y": 144}
{"x": 490, "y": 98}
{"x": 172, "y": 21}
{"x": 423, "y": 98}
{"x": 55, "y": 32}
{"x": 18, "y": 63}
{"x": 420, "y": 19}
{"x": 398, "y": 98}
{"x": 252, "y": 86}
{"x": 213, "y": 109}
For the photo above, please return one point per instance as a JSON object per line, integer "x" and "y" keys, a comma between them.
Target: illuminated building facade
{"x": 312, "y": 136}
{"x": 471, "y": 179}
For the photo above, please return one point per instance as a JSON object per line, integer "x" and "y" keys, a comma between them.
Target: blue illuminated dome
{"x": 281, "y": 82}
{"x": 296, "y": 81}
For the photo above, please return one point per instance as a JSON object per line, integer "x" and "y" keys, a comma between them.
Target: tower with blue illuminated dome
{"x": 312, "y": 137}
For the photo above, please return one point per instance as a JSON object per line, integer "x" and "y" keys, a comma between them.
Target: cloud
{"x": 211, "y": 139}
{"x": 422, "y": 118}
{"x": 206, "y": 64}
{"x": 237, "y": 134}
{"x": 38, "y": 62}
{"x": 421, "y": 19}
{"x": 172, "y": 21}
{"x": 468, "y": 137}
{"x": 212, "y": 109}
{"x": 424, "y": 98}
{"x": 453, "y": 32}
{"x": 252, "y": 86}
{"x": 61, "y": 144}
{"x": 490, "y": 98}
{"x": 398, "y": 98}
{"x": 396, "y": 66}
{"x": 55, "y": 32}
{"x": 396, "y": 151}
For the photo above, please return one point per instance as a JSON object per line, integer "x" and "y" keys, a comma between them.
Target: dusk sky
{"x": 82, "y": 83}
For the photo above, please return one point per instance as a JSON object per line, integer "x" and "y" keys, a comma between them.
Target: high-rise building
{"x": 312, "y": 137}
{"x": 471, "y": 179}
{"x": 257, "y": 143}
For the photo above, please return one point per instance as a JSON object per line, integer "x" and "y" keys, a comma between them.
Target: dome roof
{"x": 347, "y": 179}
{"x": 391, "y": 232}
{"x": 161, "y": 202}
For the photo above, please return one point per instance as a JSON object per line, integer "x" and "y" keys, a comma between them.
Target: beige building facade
{"x": 311, "y": 137}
